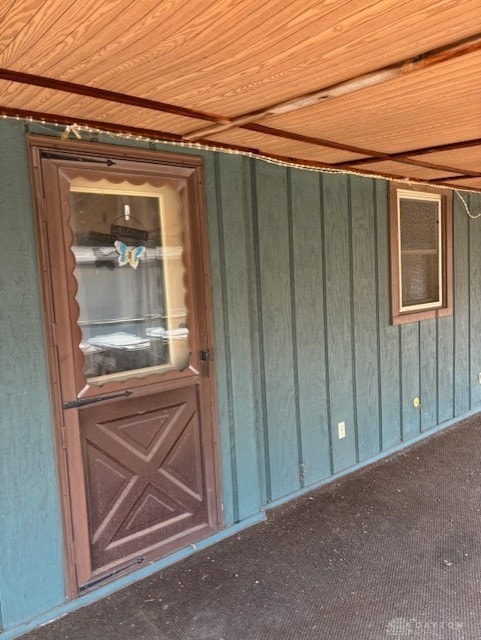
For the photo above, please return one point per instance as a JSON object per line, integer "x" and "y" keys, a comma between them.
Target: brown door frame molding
{"x": 201, "y": 289}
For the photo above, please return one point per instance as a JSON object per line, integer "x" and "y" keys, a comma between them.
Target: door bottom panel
{"x": 145, "y": 481}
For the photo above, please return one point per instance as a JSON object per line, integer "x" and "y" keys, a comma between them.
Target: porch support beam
{"x": 104, "y": 94}
{"x": 56, "y": 118}
{"x": 465, "y": 144}
{"x": 375, "y": 156}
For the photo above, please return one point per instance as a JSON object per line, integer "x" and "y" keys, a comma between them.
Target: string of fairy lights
{"x": 77, "y": 130}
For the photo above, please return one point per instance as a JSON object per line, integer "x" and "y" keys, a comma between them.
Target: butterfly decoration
{"x": 128, "y": 255}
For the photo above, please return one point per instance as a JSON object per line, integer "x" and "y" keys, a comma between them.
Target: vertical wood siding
{"x": 365, "y": 317}
{"x": 300, "y": 282}
{"x": 389, "y": 335}
{"x": 312, "y": 252}
{"x": 461, "y": 276}
{"x": 474, "y": 248}
{"x": 308, "y": 295}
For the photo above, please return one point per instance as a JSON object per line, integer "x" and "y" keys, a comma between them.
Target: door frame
{"x": 200, "y": 283}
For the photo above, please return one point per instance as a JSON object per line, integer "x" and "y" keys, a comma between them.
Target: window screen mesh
{"x": 420, "y": 255}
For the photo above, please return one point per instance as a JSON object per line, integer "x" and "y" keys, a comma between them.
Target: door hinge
{"x": 63, "y": 438}
{"x": 54, "y": 333}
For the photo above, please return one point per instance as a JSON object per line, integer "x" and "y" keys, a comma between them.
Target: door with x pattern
{"x": 123, "y": 246}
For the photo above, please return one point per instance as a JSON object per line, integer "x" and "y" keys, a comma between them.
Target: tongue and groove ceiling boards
{"x": 387, "y": 87}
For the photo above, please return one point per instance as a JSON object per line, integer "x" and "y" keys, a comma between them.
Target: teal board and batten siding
{"x": 31, "y": 571}
{"x": 300, "y": 290}
{"x": 326, "y": 349}
{"x": 311, "y": 260}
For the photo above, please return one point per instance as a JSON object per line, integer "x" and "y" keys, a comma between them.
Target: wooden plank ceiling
{"x": 386, "y": 87}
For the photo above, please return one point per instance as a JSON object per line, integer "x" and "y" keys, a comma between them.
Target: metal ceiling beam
{"x": 330, "y": 144}
{"x": 424, "y": 165}
{"x": 56, "y": 118}
{"x": 465, "y": 144}
{"x": 109, "y": 96}
{"x": 375, "y": 156}
{"x": 447, "y": 178}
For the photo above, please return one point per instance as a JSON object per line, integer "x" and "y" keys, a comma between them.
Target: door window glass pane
{"x": 127, "y": 244}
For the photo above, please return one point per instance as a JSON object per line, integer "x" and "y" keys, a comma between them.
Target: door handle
{"x": 72, "y": 404}
{"x": 205, "y": 357}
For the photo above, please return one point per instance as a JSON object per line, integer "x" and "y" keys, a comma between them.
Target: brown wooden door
{"x": 124, "y": 256}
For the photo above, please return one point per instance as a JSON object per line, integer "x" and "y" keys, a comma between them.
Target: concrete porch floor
{"x": 390, "y": 552}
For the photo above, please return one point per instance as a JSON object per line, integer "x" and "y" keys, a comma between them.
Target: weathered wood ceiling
{"x": 388, "y": 87}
